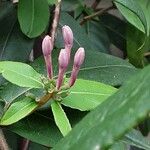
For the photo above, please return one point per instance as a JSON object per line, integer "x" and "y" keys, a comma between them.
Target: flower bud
{"x": 78, "y": 60}
{"x": 47, "y": 45}
{"x": 63, "y": 63}
{"x": 47, "y": 49}
{"x": 68, "y": 38}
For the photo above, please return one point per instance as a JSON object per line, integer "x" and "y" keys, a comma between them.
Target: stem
{"x": 24, "y": 144}
{"x": 44, "y": 99}
{"x": 3, "y": 143}
{"x": 55, "y": 21}
{"x": 146, "y": 54}
{"x": 98, "y": 13}
{"x": 95, "y": 4}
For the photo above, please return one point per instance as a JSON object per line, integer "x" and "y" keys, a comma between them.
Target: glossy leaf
{"x": 135, "y": 46}
{"x": 86, "y": 95}
{"x": 116, "y": 30}
{"x": 131, "y": 10}
{"x": 98, "y": 36}
{"x": 33, "y": 17}
{"x": 136, "y": 139}
{"x": 18, "y": 110}
{"x": 37, "y": 128}
{"x": 46, "y": 134}
{"x": 119, "y": 146}
{"x": 61, "y": 119}
{"x": 126, "y": 107}
{"x": 146, "y": 8}
{"x": 20, "y": 74}
{"x": 13, "y": 44}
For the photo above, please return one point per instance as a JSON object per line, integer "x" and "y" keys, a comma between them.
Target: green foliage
{"x": 18, "y": 110}
{"x": 91, "y": 114}
{"x": 38, "y": 128}
{"x": 127, "y": 107}
{"x": 32, "y": 22}
{"x": 133, "y": 13}
{"x": 20, "y": 74}
{"x": 136, "y": 139}
{"x": 13, "y": 44}
{"x": 60, "y": 118}
{"x": 86, "y": 95}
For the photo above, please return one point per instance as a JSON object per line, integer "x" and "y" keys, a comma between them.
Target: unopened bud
{"x": 47, "y": 45}
{"x": 68, "y": 38}
{"x": 63, "y": 63}
{"x": 47, "y": 49}
{"x": 78, "y": 60}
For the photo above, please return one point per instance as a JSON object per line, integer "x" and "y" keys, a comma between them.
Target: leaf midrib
{"x": 88, "y": 93}
{"x": 27, "y": 77}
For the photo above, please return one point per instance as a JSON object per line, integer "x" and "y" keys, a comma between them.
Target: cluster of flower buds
{"x": 64, "y": 57}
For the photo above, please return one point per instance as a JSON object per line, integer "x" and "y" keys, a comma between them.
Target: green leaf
{"x": 33, "y": 16}
{"x": 13, "y": 44}
{"x": 60, "y": 118}
{"x": 131, "y": 10}
{"x": 51, "y": 2}
{"x": 135, "y": 46}
{"x": 37, "y": 128}
{"x": 136, "y": 139}
{"x": 119, "y": 146}
{"x": 20, "y": 74}
{"x": 10, "y": 92}
{"x": 146, "y": 9}
{"x": 18, "y": 110}
{"x": 113, "y": 118}
{"x": 116, "y": 30}
{"x": 46, "y": 134}
{"x": 86, "y": 95}
{"x": 98, "y": 36}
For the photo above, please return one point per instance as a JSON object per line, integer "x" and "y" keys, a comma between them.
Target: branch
{"x": 98, "y": 13}
{"x": 55, "y": 21}
{"x": 95, "y": 4}
{"x": 3, "y": 143}
{"x": 146, "y": 54}
{"x": 24, "y": 145}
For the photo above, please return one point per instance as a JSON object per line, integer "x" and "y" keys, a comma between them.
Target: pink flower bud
{"x": 68, "y": 38}
{"x": 78, "y": 60}
{"x": 63, "y": 63}
{"x": 47, "y": 45}
{"x": 47, "y": 49}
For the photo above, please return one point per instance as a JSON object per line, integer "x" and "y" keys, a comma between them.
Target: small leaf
{"x": 33, "y": 16}
{"x": 131, "y": 10}
{"x": 60, "y": 118}
{"x": 20, "y": 74}
{"x": 86, "y": 95}
{"x": 18, "y": 110}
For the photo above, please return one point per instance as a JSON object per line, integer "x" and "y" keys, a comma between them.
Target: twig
{"x": 98, "y": 13}
{"x": 3, "y": 143}
{"x": 55, "y": 20}
{"x": 95, "y": 4}
{"x": 24, "y": 144}
{"x": 146, "y": 54}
